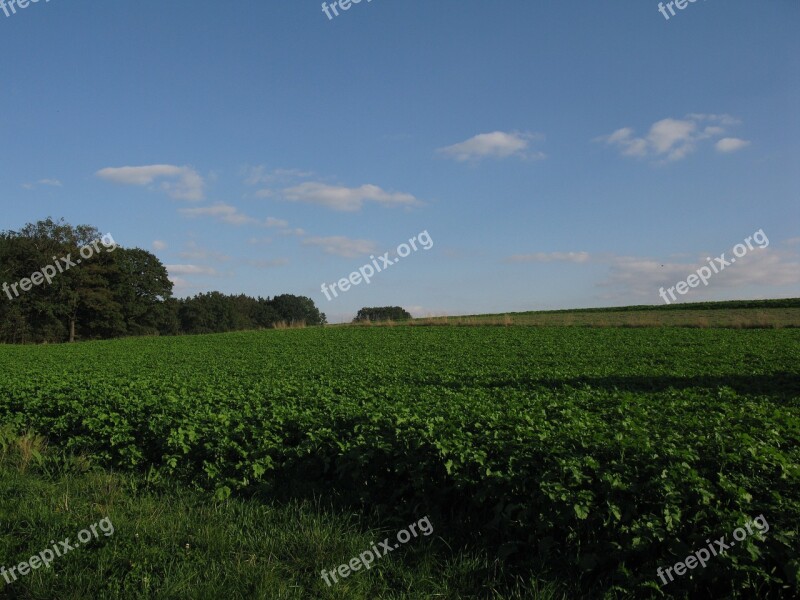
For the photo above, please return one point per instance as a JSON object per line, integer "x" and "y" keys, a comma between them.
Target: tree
{"x": 50, "y": 308}
{"x": 142, "y": 289}
{"x": 298, "y": 309}
{"x": 265, "y": 315}
{"x": 382, "y": 313}
{"x": 105, "y": 292}
{"x": 207, "y": 313}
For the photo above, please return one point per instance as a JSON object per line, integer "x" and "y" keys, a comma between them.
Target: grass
{"x": 175, "y": 542}
{"x": 737, "y": 314}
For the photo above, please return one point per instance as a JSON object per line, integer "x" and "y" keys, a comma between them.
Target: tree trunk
{"x": 72, "y": 329}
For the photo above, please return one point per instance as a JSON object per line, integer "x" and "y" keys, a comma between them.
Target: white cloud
{"x": 342, "y": 246}
{"x": 344, "y": 198}
{"x": 497, "y": 144}
{"x": 543, "y": 257}
{"x": 190, "y": 270}
{"x": 272, "y": 222}
{"x": 673, "y": 139}
{"x": 713, "y": 131}
{"x": 259, "y": 175}
{"x": 726, "y": 120}
{"x": 221, "y": 212}
{"x": 254, "y": 241}
{"x": 634, "y": 279}
{"x": 181, "y": 285}
{"x": 231, "y": 215}
{"x": 47, "y": 182}
{"x": 159, "y": 245}
{"x": 729, "y": 144}
{"x": 267, "y": 263}
{"x": 642, "y": 277}
{"x": 181, "y": 183}
{"x": 421, "y": 311}
{"x": 297, "y": 231}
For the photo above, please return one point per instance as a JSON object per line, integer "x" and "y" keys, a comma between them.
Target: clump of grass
{"x": 289, "y": 325}
{"x": 20, "y": 451}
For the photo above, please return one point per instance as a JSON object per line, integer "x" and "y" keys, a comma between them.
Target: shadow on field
{"x": 779, "y": 385}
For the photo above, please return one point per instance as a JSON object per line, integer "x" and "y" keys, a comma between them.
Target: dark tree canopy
{"x": 215, "y": 312}
{"x": 117, "y": 292}
{"x": 382, "y": 313}
{"x": 62, "y": 301}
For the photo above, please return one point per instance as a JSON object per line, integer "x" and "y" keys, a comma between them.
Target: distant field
{"x": 753, "y": 314}
{"x": 588, "y": 457}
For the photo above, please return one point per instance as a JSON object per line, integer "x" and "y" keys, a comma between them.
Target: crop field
{"x": 584, "y": 457}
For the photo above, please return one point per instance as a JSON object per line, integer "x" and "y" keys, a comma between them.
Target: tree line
{"x": 53, "y": 292}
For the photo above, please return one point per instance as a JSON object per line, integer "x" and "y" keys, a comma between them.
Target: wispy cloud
{"x": 221, "y": 212}
{"x": 195, "y": 252}
{"x": 255, "y": 241}
{"x": 260, "y": 175}
{"x": 272, "y": 222}
{"x": 347, "y": 199}
{"x": 226, "y": 213}
{"x": 342, "y": 246}
{"x": 546, "y": 257}
{"x": 632, "y": 279}
{"x": 730, "y": 144}
{"x": 670, "y": 139}
{"x": 160, "y": 245}
{"x": 45, "y": 182}
{"x": 497, "y": 144}
{"x": 190, "y": 270}
{"x": 296, "y": 231}
{"x": 637, "y": 277}
{"x": 264, "y": 264}
{"x": 181, "y": 183}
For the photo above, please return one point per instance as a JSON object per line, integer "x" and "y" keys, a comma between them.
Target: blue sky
{"x": 559, "y": 154}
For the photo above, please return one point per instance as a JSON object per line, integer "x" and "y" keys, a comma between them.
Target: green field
{"x": 734, "y": 314}
{"x": 584, "y": 458}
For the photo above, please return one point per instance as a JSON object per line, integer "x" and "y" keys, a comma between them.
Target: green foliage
{"x": 117, "y": 292}
{"x": 143, "y": 292}
{"x": 598, "y": 454}
{"x": 297, "y": 309}
{"x": 217, "y": 313}
{"x": 382, "y": 313}
{"x": 173, "y": 542}
{"x": 124, "y": 292}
